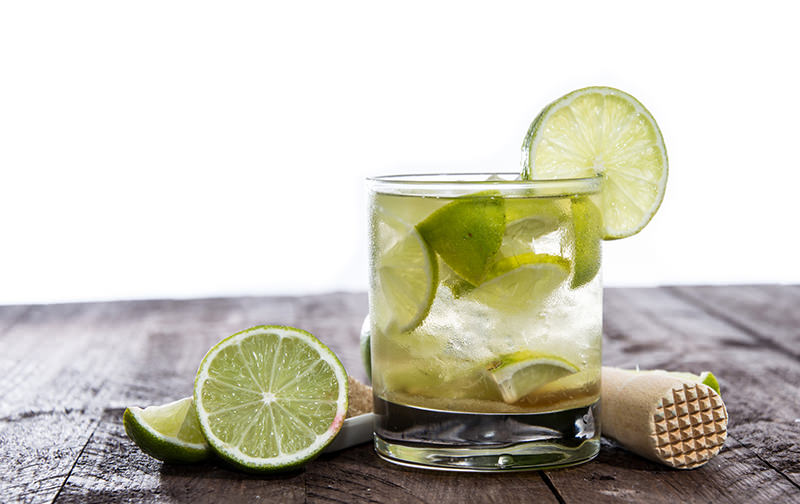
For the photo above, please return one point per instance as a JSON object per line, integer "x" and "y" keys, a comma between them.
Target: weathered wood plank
{"x": 654, "y": 329}
{"x": 71, "y": 369}
{"x": 769, "y": 313}
{"x": 112, "y": 469}
{"x": 358, "y": 475}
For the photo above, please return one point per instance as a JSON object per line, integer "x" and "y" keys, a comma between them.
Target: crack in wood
{"x": 552, "y": 487}
{"x": 75, "y": 463}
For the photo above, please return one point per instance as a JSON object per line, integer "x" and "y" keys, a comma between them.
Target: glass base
{"x": 456, "y": 441}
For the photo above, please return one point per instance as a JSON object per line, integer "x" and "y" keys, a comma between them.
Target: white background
{"x": 185, "y": 149}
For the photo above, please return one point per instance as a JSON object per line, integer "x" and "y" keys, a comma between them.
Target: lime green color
{"x": 520, "y": 373}
{"x": 602, "y": 130}
{"x": 270, "y": 398}
{"x": 169, "y": 432}
{"x": 706, "y": 378}
{"x": 407, "y": 275}
{"x": 366, "y": 349}
{"x": 588, "y": 228}
{"x": 519, "y": 282}
{"x": 466, "y": 233}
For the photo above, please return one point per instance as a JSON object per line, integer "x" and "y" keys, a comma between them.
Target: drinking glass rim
{"x": 430, "y": 183}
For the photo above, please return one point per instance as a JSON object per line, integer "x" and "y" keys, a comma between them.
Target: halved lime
{"x": 519, "y": 282}
{"x": 520, "y": 373}
{"x": 602, "y": 130}
{"x": 270, "y": 398}
{"x": 588, "y": 228}
{"x": 169, "y": 432}
{"x": 466, "y": 233}
{"x": 406, "y": 273}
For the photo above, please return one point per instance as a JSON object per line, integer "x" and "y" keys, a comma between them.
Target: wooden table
{"x": 68, "y": 372}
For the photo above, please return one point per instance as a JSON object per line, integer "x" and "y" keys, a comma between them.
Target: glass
{"x": 485, "y": 320}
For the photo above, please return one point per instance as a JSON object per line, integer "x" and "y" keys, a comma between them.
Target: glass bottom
{"x": 458, "y": 441}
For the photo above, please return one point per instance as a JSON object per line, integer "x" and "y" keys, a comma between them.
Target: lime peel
{"x": 467, "y": 233}
{"x": 169, "y": 432}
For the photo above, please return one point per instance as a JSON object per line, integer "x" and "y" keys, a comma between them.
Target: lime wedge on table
{"x": 605, "y": 131}
{"x": 520, "y": 373}
{"x": 270, "y": 398}
{"x": 517, "y": 282}
{"x": 466, "y": 233}
{"x": 170, "y": 432}
{"x": 588, "y": 227}
{"x": 406, "y": 272}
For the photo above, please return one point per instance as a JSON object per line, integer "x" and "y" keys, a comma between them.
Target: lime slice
{"x": 467, "y": 233}
{"x": 602, "y": 130}
{"x": 406, "y": 273}
{"x": 588, "y": 228}
{"x": 170, "y": 432}
{"x": 519, "y": 282}
{"x": 520, "y": 373}
{"x": 270, "y": 398}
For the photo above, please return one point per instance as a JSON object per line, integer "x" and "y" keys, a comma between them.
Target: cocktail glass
{"x": 485, "y": 320}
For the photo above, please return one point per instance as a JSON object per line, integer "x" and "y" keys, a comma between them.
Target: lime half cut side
{"x": 406, "y": 272}
{"x": 605, "y": 131}
{"x": 520, "y": 373}
{"x": 169, "y": 432}
{"x": 270, "y": 398}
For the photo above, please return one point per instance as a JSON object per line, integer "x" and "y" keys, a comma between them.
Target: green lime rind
{"x": 588, "y": 228}
{"x": 270, "y": 398}
{"x": 467, "y": 233}
{"x": 183, "y": 440}
{"x": 617, "y": 138}
{"x": 708, "y": 378}
{"x": 366, "y": 347}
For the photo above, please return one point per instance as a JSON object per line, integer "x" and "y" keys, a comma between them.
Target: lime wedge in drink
{"x": 602, "y": 130}
{"x": 406, "y": 271}
{"x": 520, "y": 373}
{"x": 520, "y": 281}
{"x": 467, "y": 233}
{"x": 169, "y": 432}
{"x": 588, "y": 228}
{"x": 270, "y": 398}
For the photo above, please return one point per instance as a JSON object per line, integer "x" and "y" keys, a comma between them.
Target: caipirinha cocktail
{"x": 485, "y": 291}
{"x": 485, "y": 299}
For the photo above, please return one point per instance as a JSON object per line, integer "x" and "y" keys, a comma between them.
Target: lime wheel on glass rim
{"x": 602, "y": 131}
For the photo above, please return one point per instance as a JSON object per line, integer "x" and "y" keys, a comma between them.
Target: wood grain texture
{"x": 70, "y": 370}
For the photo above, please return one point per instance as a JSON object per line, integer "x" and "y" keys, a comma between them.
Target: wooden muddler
{"x": 671, "y": 420}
